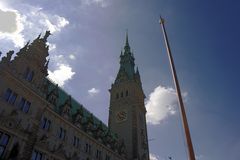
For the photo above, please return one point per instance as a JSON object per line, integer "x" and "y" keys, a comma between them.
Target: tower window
{"x": 117, "y": 96}
{"x": 121, "y": 94}
{"x": 126, "y": 93}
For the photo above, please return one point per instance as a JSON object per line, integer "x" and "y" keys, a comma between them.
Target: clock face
{"x": 121, "y": 116}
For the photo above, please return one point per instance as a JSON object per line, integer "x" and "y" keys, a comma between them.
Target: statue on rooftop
{"x": 47, "y": 34}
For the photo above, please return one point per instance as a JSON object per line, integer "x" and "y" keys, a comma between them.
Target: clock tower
{"x": 127, "y": 112}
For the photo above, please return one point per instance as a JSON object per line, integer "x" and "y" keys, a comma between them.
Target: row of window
{"x": 45, "y": 125}
{"x": 36, "y": 155}
{"x": 122, "y": 94}
{"x": 10, "y": 96}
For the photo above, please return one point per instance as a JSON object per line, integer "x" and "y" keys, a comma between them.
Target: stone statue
{"x": 47, "y": 34}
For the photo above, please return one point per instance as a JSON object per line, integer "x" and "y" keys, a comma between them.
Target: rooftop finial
{"x": 47, "y": 34}
{"x": 127, "y": 44}
{"x": 127, "y": 47}
{"x": 137, "y": 72}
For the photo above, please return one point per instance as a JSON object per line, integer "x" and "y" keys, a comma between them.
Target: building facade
{"x": 40, "y": 121}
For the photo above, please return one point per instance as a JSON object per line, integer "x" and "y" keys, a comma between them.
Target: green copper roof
{"x": 127, "y": 64}
{"x": 75, "y": 106}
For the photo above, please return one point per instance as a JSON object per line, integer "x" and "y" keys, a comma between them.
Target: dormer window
{"x": 66, "y": 108}
{"x": 53, "y": 95}
{"x": 53, "y": 99}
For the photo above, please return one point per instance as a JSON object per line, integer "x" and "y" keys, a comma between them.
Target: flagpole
{"x": 191, "y": 154}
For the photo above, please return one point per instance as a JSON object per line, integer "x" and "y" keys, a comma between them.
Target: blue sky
{"x": 88, "y": 36}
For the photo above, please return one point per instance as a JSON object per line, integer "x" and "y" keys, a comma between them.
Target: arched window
{"x": 126, "y": 93}
{"x": 28, "y": 75}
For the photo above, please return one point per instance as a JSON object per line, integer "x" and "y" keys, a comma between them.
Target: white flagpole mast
{"x": 191, "y": 154}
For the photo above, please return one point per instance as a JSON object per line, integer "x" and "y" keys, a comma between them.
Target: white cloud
{"x": 93, "y": 91}
{"x": 11, "y": 26}
{"x": 53, "y": 23}
{"x": 51, "y": 46}
{"x": 29, "y": 22}
{"x": 153, "y": 157}
{"x": 111, "y": 78}
{"x": 61, "y": 75}
{"x": 161, "y": 104}
{"x": 71, "y": 56}
{"x": 199, "y": 157}
{"x": 102, "y": 3}
{"x": 58, "y": 59}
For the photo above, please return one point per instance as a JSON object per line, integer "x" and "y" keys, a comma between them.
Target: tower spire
{"x": 127, "y": 44}
{"x": 127, "y": 47}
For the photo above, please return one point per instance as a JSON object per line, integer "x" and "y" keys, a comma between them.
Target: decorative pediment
{"x": 99, "y": 132}
{"x": 53, "y": 95}
{"x": 107, "y": 138}
{"x": 78, "y": 117}
{"x": 89, "y": 125}
{"x": 66, "y": 108}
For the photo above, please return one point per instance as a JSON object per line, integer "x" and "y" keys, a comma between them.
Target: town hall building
{"x": 40, "y": 121}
